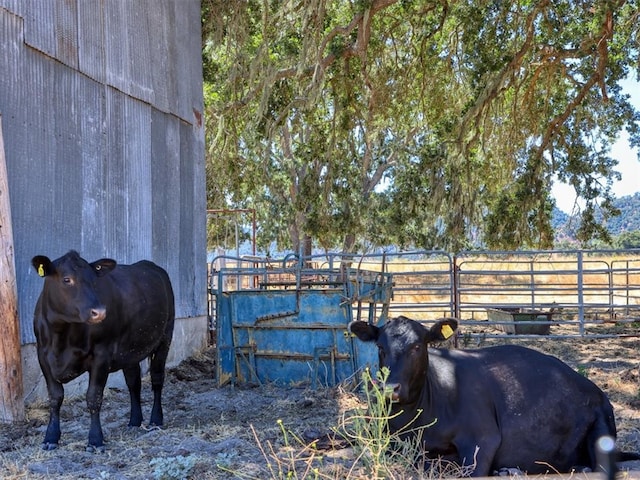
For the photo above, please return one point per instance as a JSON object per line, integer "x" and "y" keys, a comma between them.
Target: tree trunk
{"x": 349, "y": 243}
{"x": 11, "y": 388}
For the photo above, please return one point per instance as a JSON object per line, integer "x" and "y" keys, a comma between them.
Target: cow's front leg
{"x": 97, "y": 381}
{"x": 134, "y": 383}
{"x": 56, "y": 396}
{"x": 478, "y": 453}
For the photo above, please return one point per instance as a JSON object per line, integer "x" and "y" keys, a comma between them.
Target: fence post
{"x": 532, "y": 283}
{"x": 581, "y": 292}
{"x": 455, "y": 292}
{"x": 11, "y": 388}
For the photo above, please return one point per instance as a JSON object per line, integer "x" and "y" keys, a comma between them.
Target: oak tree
{"x": 417, "y": 123}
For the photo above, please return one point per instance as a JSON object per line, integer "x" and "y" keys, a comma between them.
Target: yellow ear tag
{"x": 447, "y": 331}
{"x": 41, "y": 270}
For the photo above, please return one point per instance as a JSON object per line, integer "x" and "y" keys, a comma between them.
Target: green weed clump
{"x": 376, "y": 452}
{"x": 391, "y": 455}
{"x": 379, "y": 451}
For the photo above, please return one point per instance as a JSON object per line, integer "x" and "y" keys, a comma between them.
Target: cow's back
{"x": 140, "y": 310}
{"x": 143, "y": 280}
{"x": 540, "y": 404}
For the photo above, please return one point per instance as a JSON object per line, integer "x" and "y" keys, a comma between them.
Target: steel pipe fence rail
{"x": 559, "y": 293}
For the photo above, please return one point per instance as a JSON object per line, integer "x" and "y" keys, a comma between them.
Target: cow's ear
{"x": 42, "y": 265}
{"x": 443, "y": 330}
{"x": 364, "y": 331}
{"x": 103, "y": 266}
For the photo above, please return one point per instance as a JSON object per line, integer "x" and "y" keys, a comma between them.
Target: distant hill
{"x": 628, "y": 220}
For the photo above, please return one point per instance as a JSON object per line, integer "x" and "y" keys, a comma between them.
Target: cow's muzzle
{"x": 392, "y": 391}
{"x": 389, "y": 391}
{"x": 97, "y": 314}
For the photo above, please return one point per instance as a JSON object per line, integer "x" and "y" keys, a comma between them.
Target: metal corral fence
{"x": 556, "y": 293}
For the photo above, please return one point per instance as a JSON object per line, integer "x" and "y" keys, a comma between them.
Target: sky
{"x": 627, "y": 157}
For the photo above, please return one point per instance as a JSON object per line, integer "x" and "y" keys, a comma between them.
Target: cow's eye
{"x": 67, "y": 280}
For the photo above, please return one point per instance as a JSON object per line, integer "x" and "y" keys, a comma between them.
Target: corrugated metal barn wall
{"x": 101, "y": 105}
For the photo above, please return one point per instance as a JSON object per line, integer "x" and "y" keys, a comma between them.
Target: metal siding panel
{"x": 128, "y": 174}
{"x": 116, "y": 45}
{"x": 187, "y": 267}
{"x": 199, "y": 206}
{"x": 141, "y": 41}
{"x": 115, "y": 223}
{"x": 15, "y": 107}
{"x": 66, "y": 213}
{"x": 137, "y": 179}
{"x": 39, "y": 25}
{"x": 162, "y": 54}
{"x": 94, "y": 163}
{"x": 188, "y": 65}
{"x": 192, "y": 225}
{"x": 14, "y": 6}
{"x": 193, "y": 48}
{"x": 91, "y": 39}
{"x": 165, "y": 171}
{"x": 177, "y": 43}
{"x": 11, "y": 40}
{"x": 66, "y": 32}
{"x": 128, "y": 41}
{"x": 39, "y": 133}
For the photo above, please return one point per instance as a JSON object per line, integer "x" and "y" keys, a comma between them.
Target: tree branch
{"x": 361, "y": 20}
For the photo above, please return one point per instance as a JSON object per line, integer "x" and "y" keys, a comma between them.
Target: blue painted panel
{"x": 294, "y": 336}
{"x": 226, "y": 356}
{"x": 249, "y": 307}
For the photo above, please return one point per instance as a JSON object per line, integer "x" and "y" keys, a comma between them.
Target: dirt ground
{"x": 246, "y": 432}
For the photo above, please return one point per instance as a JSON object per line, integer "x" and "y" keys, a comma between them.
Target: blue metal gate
{"x": 287, "y": 323}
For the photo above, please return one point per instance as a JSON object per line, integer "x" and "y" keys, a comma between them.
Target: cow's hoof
{"x": 95, "y": 449}
{"x": 49, "y": 446}
{"x": 580, "y": 469}
{"x": 508, "y": 472}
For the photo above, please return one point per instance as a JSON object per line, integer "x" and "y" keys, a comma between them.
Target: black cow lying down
{"x": 99, "y": 318}
{"x": 518, "y": 407}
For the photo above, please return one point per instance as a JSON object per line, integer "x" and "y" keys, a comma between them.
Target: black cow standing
{"x": 99, "y": 318}
{"x": 498, "y": 407}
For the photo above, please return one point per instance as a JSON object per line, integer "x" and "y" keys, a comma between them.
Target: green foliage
{"x": 376, "y": 122}
{"x": 583, "y": 370}
{"x": 628, "y": 240}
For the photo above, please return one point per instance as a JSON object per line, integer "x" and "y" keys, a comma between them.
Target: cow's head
{"x": 70, "y": 285}
{"x": 402, "y": 348}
